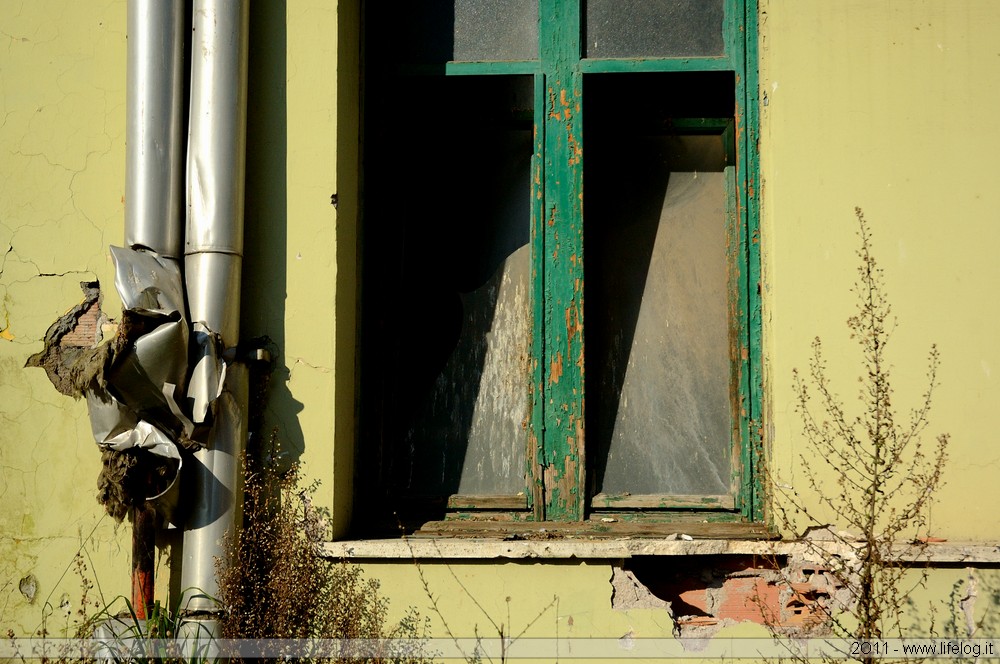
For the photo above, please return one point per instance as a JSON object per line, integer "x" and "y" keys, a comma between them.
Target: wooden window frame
{"x": 557, "y": 474}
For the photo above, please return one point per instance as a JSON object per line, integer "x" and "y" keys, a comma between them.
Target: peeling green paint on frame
{"x": 563, "y": 443}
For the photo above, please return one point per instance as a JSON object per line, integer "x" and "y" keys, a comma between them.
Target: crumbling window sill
{"x": 622, "y": 548}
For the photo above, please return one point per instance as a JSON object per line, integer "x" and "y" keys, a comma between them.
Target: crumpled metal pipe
{"x": 154, "y": 176}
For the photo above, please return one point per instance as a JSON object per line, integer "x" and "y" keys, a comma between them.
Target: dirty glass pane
{"x": 658, "y": 374}
{"x": 653, "y": 28}
{"x": 448, "y": 249}
{"x": 496, "y": 30}
{"x": 465, "y": 30}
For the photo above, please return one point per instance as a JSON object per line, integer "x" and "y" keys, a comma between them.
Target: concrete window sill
{"x": 622, "y": 548}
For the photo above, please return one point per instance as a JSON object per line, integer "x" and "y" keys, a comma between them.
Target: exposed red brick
{"x": 748, "y": 599}
{"x": 84, "y": 333}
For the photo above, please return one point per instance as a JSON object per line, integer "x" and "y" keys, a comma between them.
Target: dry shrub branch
{"x": 278, "y": 585}
{"x": 873, "y": 471}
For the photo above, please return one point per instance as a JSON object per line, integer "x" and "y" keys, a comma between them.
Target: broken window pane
{"x": 448, "y": 254}
{"x": 656, "y": 217}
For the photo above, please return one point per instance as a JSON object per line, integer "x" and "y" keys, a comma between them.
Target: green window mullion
{"x": 746, "y": 261}
{"x": 655, "y": 65}
{"x": 733, "y": 34}
{"x": 753, "y": 509}
{"x": 563, "y": 470}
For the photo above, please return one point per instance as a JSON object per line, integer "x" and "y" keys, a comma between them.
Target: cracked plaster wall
{"x": 62, "y": 132}
{"x": 573, "y": 599}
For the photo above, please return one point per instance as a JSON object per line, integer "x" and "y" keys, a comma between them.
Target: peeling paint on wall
{"x": 627, "y": 592}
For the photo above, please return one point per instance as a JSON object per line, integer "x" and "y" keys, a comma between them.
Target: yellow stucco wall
{"x": 62, "y": 135}
{"x": 887, "y": 106}
{"x": 291, "y": 278}
{"x": 884, "y": 105}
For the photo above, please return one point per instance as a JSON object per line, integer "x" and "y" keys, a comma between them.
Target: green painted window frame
{"x": 557, "y": 473}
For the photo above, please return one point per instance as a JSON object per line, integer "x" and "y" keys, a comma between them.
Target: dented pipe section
{"x": 215, "y": 480}
{"x": 154, "y": 177}
{"x": 217, "y": 133}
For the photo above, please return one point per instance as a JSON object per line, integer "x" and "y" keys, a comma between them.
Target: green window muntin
{"x": 485, "y": 184}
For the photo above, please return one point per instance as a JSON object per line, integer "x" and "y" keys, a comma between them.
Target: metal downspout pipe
{"x": 213, "y": 251}
{"x": 153, "y": 193}
{"x": 211, "y": 243}
{"x": 154, "y": 196}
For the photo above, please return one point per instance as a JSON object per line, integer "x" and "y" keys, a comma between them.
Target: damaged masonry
{"x": 791, "y": 594}
{"x": 145, "y": 397}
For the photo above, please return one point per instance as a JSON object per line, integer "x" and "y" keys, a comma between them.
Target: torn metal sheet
{"x": 138, "y": 375}
{"x": 209, "y": 372}
{"x": 147, "y": 281}
{"x": 146, "y": 398}
{"x": 109, "y": 417}
{"x": 152, "y": 365}
{"x": 170, "y": 395}
{"x": 145, "y": 436}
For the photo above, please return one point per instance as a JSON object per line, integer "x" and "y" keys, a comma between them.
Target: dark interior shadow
{"x": 388, "y": 41}
{"x": 446, "y": 232}
{"x": 446, "y": 212}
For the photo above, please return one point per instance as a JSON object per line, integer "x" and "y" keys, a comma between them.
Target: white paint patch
{"x": 774, "y": 86}
{"x": 986, "y": 368}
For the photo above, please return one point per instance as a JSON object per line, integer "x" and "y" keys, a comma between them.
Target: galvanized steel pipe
{"x": 213, "y": 255}
{"x": 154, "y": 149}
